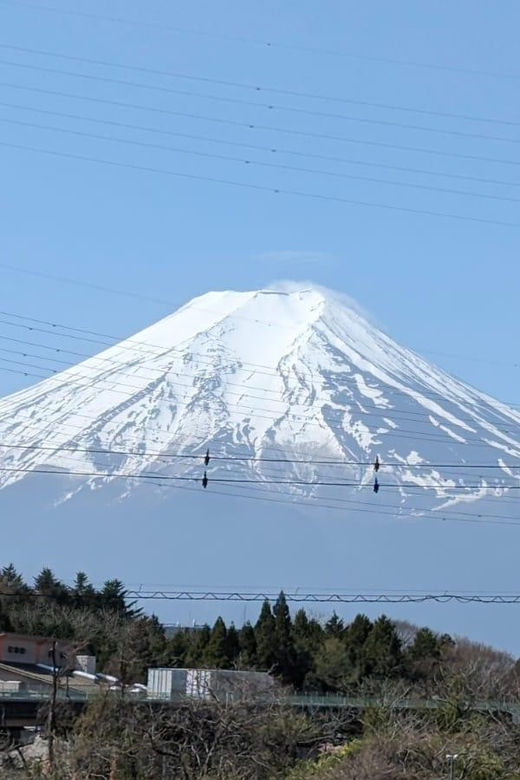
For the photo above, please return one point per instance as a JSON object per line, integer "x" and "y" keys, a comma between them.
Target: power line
{"x": 258, "y": 187}
{"x": 256, "y": 104}
{"x": 245, "y": 480}
{"x": 256, "y": 147}
{"x": 253, "y": 459}
{"x": 257, "y": 87}
{"x": 128, "y": 294}
{"x": 258, "y": 163}
{"x": 263, "y": 43}
{"x": 131, "y": 345}
{"x": 345, "y": 505}
{"x": 382, "y": 413}
{"x": 93, "y": 384}
{"x": 269, "y": 128}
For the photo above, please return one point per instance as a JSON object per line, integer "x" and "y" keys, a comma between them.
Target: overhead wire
{"x": 447, "y": 514}
{"x": 257, "y": 147}
{"x": 264, "y": 43}
{"x": 131, "y": 344}
{"x": 289, "y": 461}
{"x": 162, "y": 301}
{"x": 247, "y": 408}
{"x": 401, "y": 433}
{"x": 249, "y": 125}
{"x": 246, "y": 480}
{"x": 259, "y": 187}
{"x": 380, "y": 412}
{"x": 257, "y": 88}
{"x": 257, "y": 163}
{"x": 394, "y": 413}
{"x": 255, "y": 104}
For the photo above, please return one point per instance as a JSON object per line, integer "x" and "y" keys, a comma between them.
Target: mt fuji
{"x": 296, "y": 393}
{"x": 294, "y": 390}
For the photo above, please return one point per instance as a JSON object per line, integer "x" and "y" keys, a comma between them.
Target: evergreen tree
{"x": 84, "y": 593}
{"x": 424, "y": 654}
{"x": 334, "y": 626}
{"x": 10, "y": 578}
{"x": 177, "y": 649}
{"x": 46, "y": 584}
{"x": 425, "y": 645}
{"x": 265, "y": 635}
{"x": 308, "y": 637}
{"x": 285, "y": 657}
{"x": 233, "y": 645}
{"x": 383, "y": 652}
{"x": 356, "y": 637}
{"x": 247, "y": 647}
{"x": 333, "y": 670}
{"x": 216, "y": 652}
{"x": 199, "y": 639}
{"x": 114, "y": 597}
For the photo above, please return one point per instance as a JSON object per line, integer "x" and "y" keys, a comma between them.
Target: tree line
{"x": 301, "y": 651}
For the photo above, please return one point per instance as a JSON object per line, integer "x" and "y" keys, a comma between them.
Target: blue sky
{"x": 437, "y": 284}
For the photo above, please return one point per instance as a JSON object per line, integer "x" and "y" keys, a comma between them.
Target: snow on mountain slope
{"x": 295, "y": 376}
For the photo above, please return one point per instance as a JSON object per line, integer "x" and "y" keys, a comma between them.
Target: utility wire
{"x": 263, "y": 43}
{"x": 270, "y": 128}
{"x": 128, "y": 294}
{"x": 257, "y": 163}
{"x": 400, "y": 433}
{"x": 253, "y": 459}
{"x": 257, "y": 147}
{"x": 254, "y": 104}
{"x": 245, "y": 480}
{"x": 396, "y": 513}
{"x": 131, "y": 345}
{"x": 255, "y": 87}
{"x": 349, "y": 506}
{"x": 348, "y": 406}
{"x": 258, "y": 187}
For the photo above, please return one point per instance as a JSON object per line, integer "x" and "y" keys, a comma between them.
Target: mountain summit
{"x": 295, "y": 390}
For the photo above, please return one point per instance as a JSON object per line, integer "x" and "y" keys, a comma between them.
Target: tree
{"x": 46, "y": 584}
{"x": 383, "y": 651}
{"x": 197, "y": 647}
{"x": 333, "y": 670}
{"x": 177, "y": 649}
{"x": 233, "y": 644}
{"x": 265, "y": 634}
{"x": 308, "y": 638}
{"x": 114, "y": 597}
{"x": 334, "y": 626}
{"x": 247, "y": 658}
{"x": 12, "y": 579}
{"x": 285, "y": 656}
{"x": 356, "y": 637}
{"x": 216, "y": 653}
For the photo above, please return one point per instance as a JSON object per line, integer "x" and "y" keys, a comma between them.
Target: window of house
{"x": 13, "y": 649}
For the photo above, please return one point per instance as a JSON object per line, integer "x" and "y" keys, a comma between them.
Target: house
{"x": 34, "y": 650}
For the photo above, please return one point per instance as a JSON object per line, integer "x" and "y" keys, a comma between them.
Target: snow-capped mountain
{"x": 276, "y": 382}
